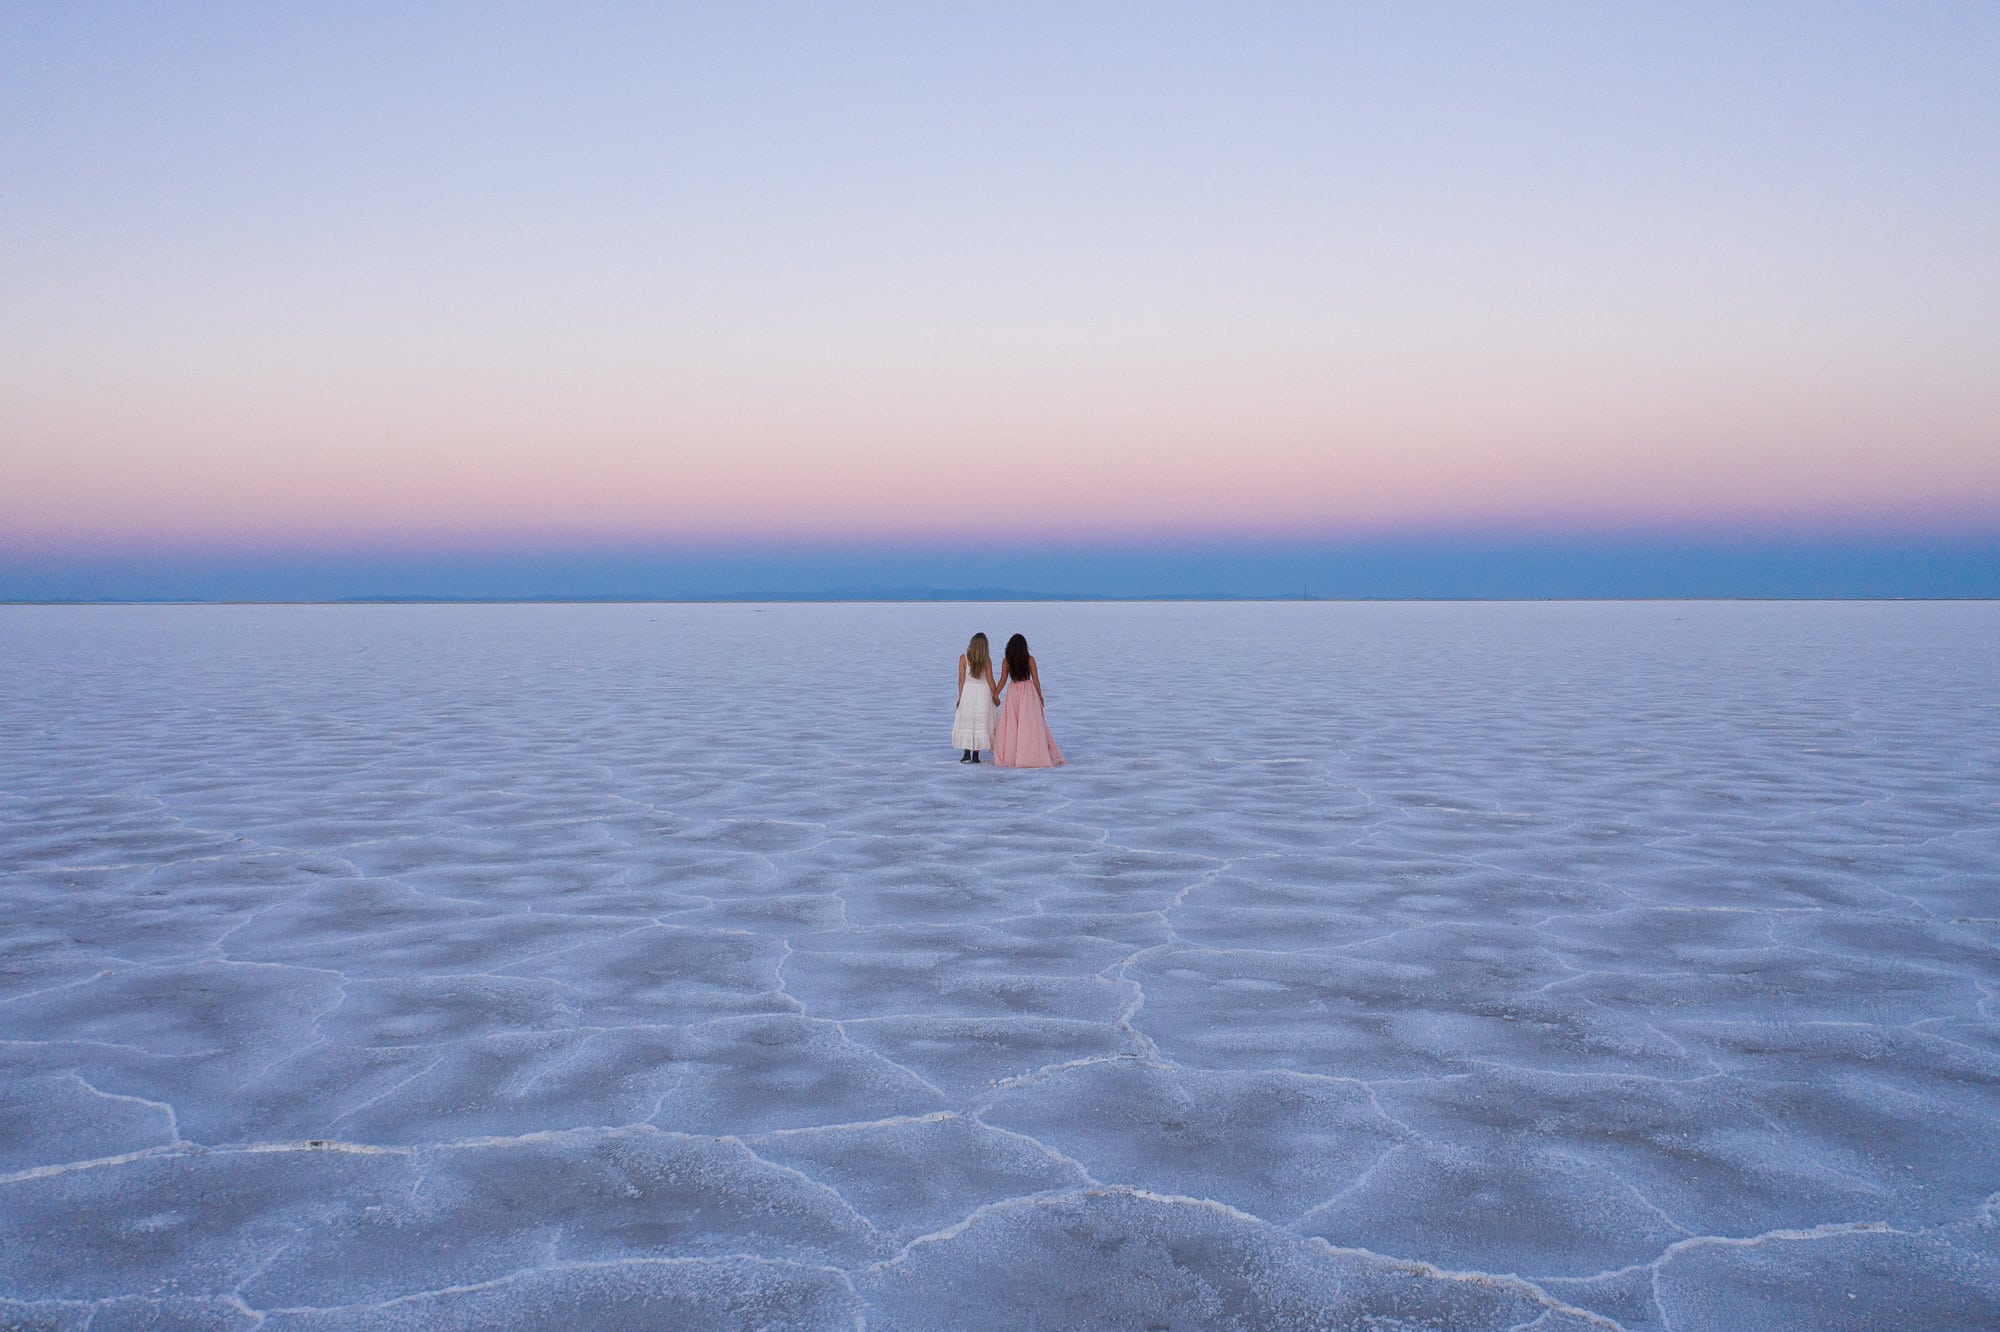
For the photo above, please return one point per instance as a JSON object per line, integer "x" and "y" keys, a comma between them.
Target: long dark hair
{"x": 1017, "y": 658}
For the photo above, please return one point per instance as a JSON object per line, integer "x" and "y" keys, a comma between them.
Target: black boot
{"x": 970, "y": 757}
{"x": 975, "y": 756}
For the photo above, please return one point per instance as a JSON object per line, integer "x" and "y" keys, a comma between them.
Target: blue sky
{"x": 310, "y": 300}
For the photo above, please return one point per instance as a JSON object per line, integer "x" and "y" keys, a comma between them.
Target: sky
{"x": 321, "y": 300}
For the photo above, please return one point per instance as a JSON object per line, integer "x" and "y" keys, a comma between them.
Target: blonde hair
{"x": 977, "y": 658}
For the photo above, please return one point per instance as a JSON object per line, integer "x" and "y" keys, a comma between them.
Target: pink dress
{"x": 1021, "y": 736}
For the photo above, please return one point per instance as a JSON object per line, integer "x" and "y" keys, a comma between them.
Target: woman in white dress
{"x": 978, "y": 699}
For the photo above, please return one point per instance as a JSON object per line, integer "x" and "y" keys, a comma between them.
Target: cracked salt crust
{"x": 1535, "y": 966}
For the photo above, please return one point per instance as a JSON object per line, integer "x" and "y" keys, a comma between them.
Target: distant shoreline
{"x": 973, "y": 599}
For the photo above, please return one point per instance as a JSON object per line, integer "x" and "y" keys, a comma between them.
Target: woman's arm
{"x": 992, "y": 684}
{"x": 961, "y": 681}
{"x": 1035, "y": 674}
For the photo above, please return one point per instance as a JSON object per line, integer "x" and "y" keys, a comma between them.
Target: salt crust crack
{"x": 1071, "y": 806}
{"x": 1988, "y": 1214}
{"x": 1414, "y": 1267}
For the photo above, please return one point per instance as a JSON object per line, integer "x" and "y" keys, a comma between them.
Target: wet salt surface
{"x": 1455, "y": 966}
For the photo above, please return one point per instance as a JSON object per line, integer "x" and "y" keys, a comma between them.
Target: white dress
{"x": 972, "y": 725}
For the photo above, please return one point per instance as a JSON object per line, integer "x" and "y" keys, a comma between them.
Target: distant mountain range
{"x": 1944, "y": 565}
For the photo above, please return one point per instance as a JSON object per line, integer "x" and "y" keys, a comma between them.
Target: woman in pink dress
{"x": 1021, "y": 736}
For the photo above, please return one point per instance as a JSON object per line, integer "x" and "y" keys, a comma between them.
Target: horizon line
{"x": 1982, "y": 530}
{"x": 1021, "y": 597}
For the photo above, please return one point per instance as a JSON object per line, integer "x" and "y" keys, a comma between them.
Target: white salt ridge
{"x": 1463, "y": 966}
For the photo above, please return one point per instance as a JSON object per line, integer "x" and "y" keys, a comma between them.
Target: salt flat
{"x": 1407, "y": 966}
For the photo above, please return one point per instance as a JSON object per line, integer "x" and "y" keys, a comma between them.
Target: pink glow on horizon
{"x": 825, "y": 274}
{"x": 660, "y": 512}
{"x": 1119, "y": 472}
